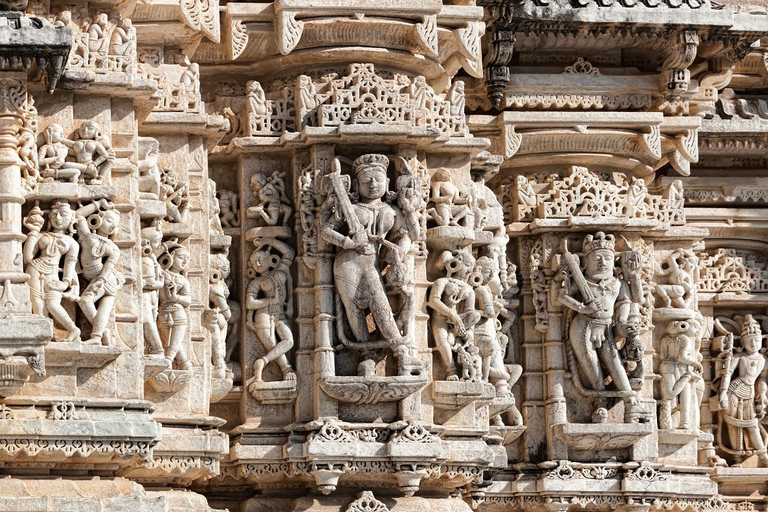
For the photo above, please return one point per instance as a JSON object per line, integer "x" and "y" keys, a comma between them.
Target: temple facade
{"x": 384, "y": 256}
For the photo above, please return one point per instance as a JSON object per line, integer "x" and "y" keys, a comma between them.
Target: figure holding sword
{"x": 366, "y": 233}
{"x": 601, "y": 302}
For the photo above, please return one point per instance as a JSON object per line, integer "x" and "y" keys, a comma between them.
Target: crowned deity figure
{"x": 602, "y": 303}
{"x": 366, "y": 229}
{"x": 742, "y": 394}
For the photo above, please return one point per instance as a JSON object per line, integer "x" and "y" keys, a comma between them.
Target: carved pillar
{"x": 324, "y": 366}
{"x": 22, "y": 332}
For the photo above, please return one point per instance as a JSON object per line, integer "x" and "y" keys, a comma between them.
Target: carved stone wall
{"x": 393, "y": 256}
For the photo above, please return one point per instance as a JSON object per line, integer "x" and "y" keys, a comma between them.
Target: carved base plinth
{"x": 501, "y": 405}
{"x": 220, "y": 386}
{"x": 50, "y": 191}
{"x": 40, "y": 431}
{"x": 601, "y": 436}
{"x": 273, "y": 393}
{"x": 508, "y": 434}
{"x": 154, "y": 364}
{"x": 170, "y": 381}
{"x": 184, "y": 455}
{"x": 372, "y": 390}
{"x": 457, "y": 394}
{"x": 678, "y": 446}
{"x": 446, "y": 237}
{"x": 22, "y": 350}
{"x": 267, "y": 232}
{"x": 79, "y": 355}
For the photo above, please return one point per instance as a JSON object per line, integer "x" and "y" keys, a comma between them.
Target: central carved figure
{"x": 368, "y": 231}
{"x": 601, "y": 302}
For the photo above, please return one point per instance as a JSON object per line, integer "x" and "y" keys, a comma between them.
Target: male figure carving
{"x": 601, "y": 302}
{"x": 743, "y": 394}
{"x": 364, "y": 231}
{"x": 267, "y": 299}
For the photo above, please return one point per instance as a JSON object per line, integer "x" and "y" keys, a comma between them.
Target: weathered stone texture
{"x": 334, "y": 256}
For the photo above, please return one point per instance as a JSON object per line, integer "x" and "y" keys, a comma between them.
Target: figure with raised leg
{"x": 96, "y": 224}
{"x": 267, "y": 300}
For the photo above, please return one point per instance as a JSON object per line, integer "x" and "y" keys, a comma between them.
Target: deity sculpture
{"x": 52, "y": 157}
{"x": 268, "y": 302}
{"x": 452, "y": 301}
{"x": 446, "y": 204}
{"x": 96, "y": 223}
{"x": 680, "y": 270}
{"x": 27, "y": 147}
{"x": 98, "y": 42}
{"x": 367, "y": 233}
{"x": 150, "y": 180}
{"x": 742, "y": 393}
{"x": 601, "y": 303}
{"x": 152, "y": 279}
{"x": 487, "y": 301}
{"x": 174, "y": 298}
{"x": 681, "y": 373}
{"x": 219, "y": 312}
{"x": 175, "y": 195}
{"x": 273, "y": 207}
{"x": 228, "y": 209}
{"x": 50, "y": 279}
{"x": 190, "y": 88}
{"x": 123, "y": 45}
{"x": 93, "y": 153}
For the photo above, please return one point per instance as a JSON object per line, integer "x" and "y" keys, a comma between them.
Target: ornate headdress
{"x": 361, "y": 163}
{"x": 599, "y": 241}
{"x": 750, "y": 327}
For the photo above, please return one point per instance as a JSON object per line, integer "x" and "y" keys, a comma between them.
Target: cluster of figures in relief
{"x": 391, "y": 226}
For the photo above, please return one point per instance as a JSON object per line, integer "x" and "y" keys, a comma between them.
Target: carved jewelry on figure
{"x": 92, "y": 153}
{"x": 51, "y": 258}
{"x": 371, "y": 235}
{"x": 273, "y": 207}
{"x": 174, "y": 300}
{"x": 682, "y": 381}
{"x": 741, "y": 387}
{"x": 175, "y": 194}
{"x": 604, "y": 309}
{"x": 269, "y": 303}
{"x": 96, "y": 225}
{"x": 452, "y": 301}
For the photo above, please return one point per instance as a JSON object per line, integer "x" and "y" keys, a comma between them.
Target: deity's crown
{"x": 370, "y": 160}
{"x": 750, "y": 326}
{"x": 599, "y": 241}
